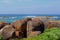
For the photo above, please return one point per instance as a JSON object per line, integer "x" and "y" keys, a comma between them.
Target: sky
{"x": 29, "y": 7}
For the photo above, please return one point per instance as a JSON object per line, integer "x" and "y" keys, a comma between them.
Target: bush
{"x": 1, "y": 37}
{"x": 49, "y": 34}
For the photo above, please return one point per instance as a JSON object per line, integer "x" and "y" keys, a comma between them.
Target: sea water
{"x": 11, "y": 19}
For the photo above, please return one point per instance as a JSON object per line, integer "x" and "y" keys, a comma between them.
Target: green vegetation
{"x": 49, "y": 34}
{"x": 1, "y": 37}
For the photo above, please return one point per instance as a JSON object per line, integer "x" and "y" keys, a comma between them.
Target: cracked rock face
{"x": 7, "y": 31}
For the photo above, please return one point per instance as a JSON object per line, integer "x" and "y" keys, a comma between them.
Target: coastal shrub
{"x": 49, "y": 34}
{"x": 1, "y": 37}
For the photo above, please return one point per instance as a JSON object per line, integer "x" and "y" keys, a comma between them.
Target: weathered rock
{"x": 21, "y": 25}
{"x": 2, "y": 24}
{"x": 35, "y": 25}
{"x": 7, "y": 31}
{"x": 6, "y": 23}
{"x": 34, "y": 33}
{"x": 50, "y": 24}
{"x": 19, "y": 34}
{"x": 29, "y": 26}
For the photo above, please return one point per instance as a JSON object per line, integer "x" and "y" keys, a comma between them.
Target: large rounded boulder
{"x": 7, "y": 31}
{"x": 21, "y": 26}
{"x": 35, "y": 25}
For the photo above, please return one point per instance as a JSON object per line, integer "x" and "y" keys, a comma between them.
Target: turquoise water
{"x": 10, "y": 18}
{"x": 14, "y": 18}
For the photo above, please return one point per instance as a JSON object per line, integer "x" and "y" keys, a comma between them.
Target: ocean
{"x": 11, "y": 19}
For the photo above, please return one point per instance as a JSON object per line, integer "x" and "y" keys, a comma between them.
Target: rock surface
{"x": 50, "y": 24}
{"x": 35, "y": 25}
{"x": 2, "y": 24}
{"x": 27, "y": 27}
{"x": 21, "y": 25}
{"x": 34, "y": 33}
{"x": 7, "y": 31}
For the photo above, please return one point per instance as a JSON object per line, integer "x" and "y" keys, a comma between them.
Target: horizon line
{"x": 29, "y": 14}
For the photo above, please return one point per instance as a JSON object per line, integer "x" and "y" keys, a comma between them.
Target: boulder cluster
{"x": 27, "y": 27}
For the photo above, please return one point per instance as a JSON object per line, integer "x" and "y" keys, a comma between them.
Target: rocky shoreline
{"x": 24, "y": 28}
